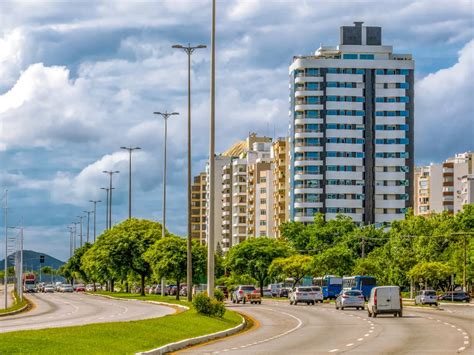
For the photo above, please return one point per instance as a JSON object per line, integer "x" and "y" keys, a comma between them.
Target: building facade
{"x": 280, "y": 168}
{"x": 351, "y": 130}
{"x": 198, "y": 207}
{"x": 446, "y": 186}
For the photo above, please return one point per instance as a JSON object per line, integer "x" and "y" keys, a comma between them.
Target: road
{"x": 9, "y": 296}
{"x": 66, "y": 309}
{"x": 306, "y": 329}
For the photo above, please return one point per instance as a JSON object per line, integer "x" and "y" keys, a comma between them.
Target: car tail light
{"x": 345, "y": 296}
{"x": 375, "y": 297}
{"x": 241, "y": 291}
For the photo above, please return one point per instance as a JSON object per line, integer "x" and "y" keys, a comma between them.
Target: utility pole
{"x": 5, "y": 289}
{"x": 88, "y": 224}
{"x": 111, "y": 173}
{"x": 80, "y": 230}
{"x": 130, "y": 150}
{"x": 464, "y": 288}
{"x": 189, "y": 50}
{"x": 210, "y": 240}
{"x": 95, "y": 214}
{"x": 74, "y": 237}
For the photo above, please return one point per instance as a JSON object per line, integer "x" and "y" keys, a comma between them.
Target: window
{"x": 263, "y": 190}
{"x": 263, "y": 223}
{"x": 312, "y": 86}
{"x": 331, "y": 98}
{"x": 263, "y": 201}
{"x": 349, "y": 56}
{"x": 366, "y": 56}
{"x": 312, "y": 100}
{"x": 404, "y": 71}
{"x": 332, "y": 70}
{"x": 360, "y": 71}
{"x": 312, "y": 71}
{"x": 403, "y": 85}
{"x": 331, "y": 84}
{"x": 312, "y": 114}
{"x": 263, "y": 212}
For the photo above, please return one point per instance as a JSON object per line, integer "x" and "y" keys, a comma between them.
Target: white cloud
{"x": 444, "y": 109}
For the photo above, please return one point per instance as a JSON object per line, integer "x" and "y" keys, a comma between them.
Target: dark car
{"x": 283, "y": 292}
{"x": 458, "y": 296}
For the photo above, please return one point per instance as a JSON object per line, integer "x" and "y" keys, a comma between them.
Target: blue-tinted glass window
{"x": 404, "y": 86}
{"x": 404, "y": 113}
{"x": 404, "y": 71}
{"x": 332, "y": 84}
{"x": 404, "y": 99}
{"x": 390, "y": 71}
{"x": 312, "y": 169}
{"x": 379, "y": 141}
{"x": 312, "y": 114}
{"x": 331, "y": 126}
{"x": 312, "y": 71}
{"x": 360, "y": 113}
{"x": 379, "y": 113}
{"x": 366, "y": 56}
{"x": 360, "y": 99}
{"x": 391, "y": 113}
{"x": 359, "y": 155}
{"x": 391, "y": 99}
{"x": 332, "y": 154}
{"x": 360, "y": 141}
{"x": 312, "y": 155}
{"x": 379, "y": 72}
{"x": 331, "y": 112}
{"x": 312, "y": 127}
{"x": 312, "y": 86}
{"x": 379, "y": 127}
{"x": 379, "y": 155}
{"x": 349, "y": 56}
{"x": 360, "y": 71}
{"x": 332, "y": 70}
{"x": 331, "y": 98}
{"x": 312, "y": 99}
{"x": 379, "y": 99}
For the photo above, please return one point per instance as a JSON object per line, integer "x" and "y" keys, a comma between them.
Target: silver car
{"x": 48, "y": 289}
{"x": 66, "y": 288}
{"x": 350, "y": 298}
{"x": 426, "y": 297}
{"x": 302, "y": 295}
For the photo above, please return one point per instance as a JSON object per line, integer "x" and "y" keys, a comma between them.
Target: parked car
{"x": 79, "y": 288}
{"x": 385, "y": 299}
{"x": 48, "y": 288}
{"x": 57, "y": 285}
{"x": 224, "y": 290}
{"x": 426, "y": 297}
{"x": 66, "y": 288}
{"x": 302, "y": 294}
{"x": 350, "y": 299}
{"x": 40, "y": 287}
{"x": 239, "y": 294}
{"x": 457, "y": 296}
{"x": 89, "y": 287}
{"x": 318, "y": 297}
{"x": 284, "y": 292}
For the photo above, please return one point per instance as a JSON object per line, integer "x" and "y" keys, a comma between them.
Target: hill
{"x": 31, "y": 261}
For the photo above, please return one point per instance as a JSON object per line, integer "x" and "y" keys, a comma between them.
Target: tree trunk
{"x": 111, "y": 285}
{"x": 177, "y": 289}
{"x": 142, "y": 285}
{"x": 127, "y": 287}
{"x": 95, "y": 289}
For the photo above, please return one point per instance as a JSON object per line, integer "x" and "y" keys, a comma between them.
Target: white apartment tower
{"x": 351, "y": 130}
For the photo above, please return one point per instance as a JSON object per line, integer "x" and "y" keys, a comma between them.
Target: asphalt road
{"x": 66, "y": 309}
{"x": 302, "y": 329}
{"x": 9, "y": 296}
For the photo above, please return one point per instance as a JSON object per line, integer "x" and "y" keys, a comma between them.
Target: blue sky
{"x": 80, "y": 79}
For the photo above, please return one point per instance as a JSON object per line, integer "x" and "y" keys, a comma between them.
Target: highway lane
{"x": 66, "y": 309}
{"x": 306, "y": 329}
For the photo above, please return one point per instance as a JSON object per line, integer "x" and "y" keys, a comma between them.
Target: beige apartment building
{"x": 281, "y": 184}
{"x": 198, "y": 207}
{"x": 447, "y": 186}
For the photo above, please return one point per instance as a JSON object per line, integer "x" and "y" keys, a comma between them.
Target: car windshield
{"x": 353, "y": 293}
{"x": 304, "y": 289}
{"x": 317, "y": 289}
{"x": 247, "y": 288}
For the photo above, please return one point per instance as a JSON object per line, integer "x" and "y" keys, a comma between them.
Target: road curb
{"x": 194, "y": 341}
{"x": 171, "y": 305}
{"x": 25, "y": 308}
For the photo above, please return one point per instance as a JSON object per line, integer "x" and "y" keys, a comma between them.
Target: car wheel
{"x": 400, "y": 314}
{"x": 369, "y": 314}
{"x": 342, "y": 308}
{"x": 314, "y": 303}
{"x": 395, "y": 315}
{"x": 259, "y": 302}
{"x": 374, "y": 315}
{"x": 337, "y": 307}
{"x": 436, "y": 304}
{"x": 244, "y": 301}
{"x": 233, "y": 300}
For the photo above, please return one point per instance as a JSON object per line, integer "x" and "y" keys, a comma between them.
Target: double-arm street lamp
{"x": 189, "y": 50}
{"x": 165, "y": 116}
{"x": 111, "y": 173}
{"x": 130, "y": 150}
{"x": 95, "y": 214}
{"x": 80, "y": 230}
{"x": 88, "y": 224}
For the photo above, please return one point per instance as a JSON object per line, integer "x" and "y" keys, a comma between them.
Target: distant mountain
{"x": 31, "y": 261}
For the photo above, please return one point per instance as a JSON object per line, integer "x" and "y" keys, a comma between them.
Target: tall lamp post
{"x": 111, "y": 173}
{"x": 210, "y": 237}
{"x": 189, "y": 50}
{"x": 80, "y": 230}
{"x": 95, "y": 214}
{"x": 130, "y": 150}
{"x": 88, "y": 224}
{"x": 165, "y": 116}
{"x": 74, "y": 237}
{"x": 5, "y": 289}
{"x": 106, "y": 189}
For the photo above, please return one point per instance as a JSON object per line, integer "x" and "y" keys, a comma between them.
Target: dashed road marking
{"x": 360, "y": 339}
{"x": 350, "y": 344}
{"x": 333, "y": 350}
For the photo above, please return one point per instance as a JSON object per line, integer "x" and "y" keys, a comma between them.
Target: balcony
{"x": 301, "y": 92}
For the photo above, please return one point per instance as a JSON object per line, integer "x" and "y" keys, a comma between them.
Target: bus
{"x": 330, "y": 285}
{"x": 362, "y": 283}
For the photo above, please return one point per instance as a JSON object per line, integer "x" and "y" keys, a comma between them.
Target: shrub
{"x": 207, "y": 306}
{"x": 219, "y": 295}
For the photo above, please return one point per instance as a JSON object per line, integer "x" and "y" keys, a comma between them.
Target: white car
{"x": 66, "y": 288}
{"x": 48, "y": 288}
{"x": 385, "y": 300}
{"x": 302, "y": 294}
{"x": 318, "y": 297}
{"x": 426, "y": 297}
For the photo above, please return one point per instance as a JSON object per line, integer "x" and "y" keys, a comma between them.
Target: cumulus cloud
{"x": 444, "y": 109}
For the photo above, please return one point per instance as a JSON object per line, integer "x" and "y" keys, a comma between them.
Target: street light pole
{"x": 5, "y": 290}
{"x": 74, "y": 237}
{"x": 95, "y": 214}
{"x": 88, "y": 224}
{"x": 111, "y": 173}
{"x": 106, "y": 208}
{"x": 210, "y": 237}
{"x": 130, "y": 150}
{"x": 80, "y": 230}
{"x": 165, "y": 116}
{"x": 189, "y": 50}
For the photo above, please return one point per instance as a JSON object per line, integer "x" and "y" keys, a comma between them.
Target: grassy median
{"x": 116, "y": 338}
{"x": 17, "y": 304}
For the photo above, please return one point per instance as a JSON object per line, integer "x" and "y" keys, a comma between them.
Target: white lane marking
{"x": 466, "y": 342}
{"x": 360, "y": 339}
{"x": 333, "y": 350}
{"x": 350, "y": 344}
{"x": 300, "y": 323}
{"x": 371, "y": 331}
{"x": 366, "y": 335}
{"x": 459, "y": 330}
{"x": 466, "y": 337}
{"x": 462, "y": 348}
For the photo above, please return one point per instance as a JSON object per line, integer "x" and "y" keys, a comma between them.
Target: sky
{"x": 79, "y": 79}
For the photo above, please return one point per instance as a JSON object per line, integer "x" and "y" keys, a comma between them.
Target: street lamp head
{"x": 137, "y": 148}
{"x": 174, "y": 113}
{"x": 202, "y": 46}
{"x": 124, "y": 148}
{"x": 177, "y": 46}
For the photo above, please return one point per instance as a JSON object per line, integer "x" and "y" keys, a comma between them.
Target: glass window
{"x": 312, "y": 71}
{"x": 312, "y": 100}
{"x": 360, "y": 113}
{"x": 404, "y": 99}
{"x": 379, "y": 99}
{"x": 312, "y": 113}
{"x": 331, "y": 98}
{"x": 332, "y": 70}
{"x": 332, "y": 84}
{"x": 349, "y": 56}
{"x": 366, "y": 56}
{"x": 379, "y": 113}
{"x": 404, "y": 71}
{"x": 360, "y": 99}
{"x": 312, "y": 86}
{"x": 390, "y": 71}
{"x": 379, "y": 72}
{"x": 360, "y": 71}
{"x": 331, "y": 112}
{"x": 403, "y": 85}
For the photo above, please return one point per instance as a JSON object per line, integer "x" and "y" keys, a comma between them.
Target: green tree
{"x": 430, "y": 273}
{"x": 295, "y": 266}
{"x": 338, "y": 260}
{"x": 254, "y": 256}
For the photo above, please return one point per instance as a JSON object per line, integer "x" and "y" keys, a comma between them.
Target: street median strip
{"x": 18, "y": 306}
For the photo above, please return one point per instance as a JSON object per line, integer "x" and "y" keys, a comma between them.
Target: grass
{"x": 117, "y": 338}
{"x": 157, "y": 298}
{"x": 17, "y": 304}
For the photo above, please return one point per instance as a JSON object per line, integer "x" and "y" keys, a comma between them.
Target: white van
{"x": 385, "y": 300}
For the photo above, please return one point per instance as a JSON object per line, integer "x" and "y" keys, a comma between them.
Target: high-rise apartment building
{"x": 351, "y": 130}
{"x": 198, "y": 207}
{"x": 280, "y": 167}
{"x": 447, "y": 186}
